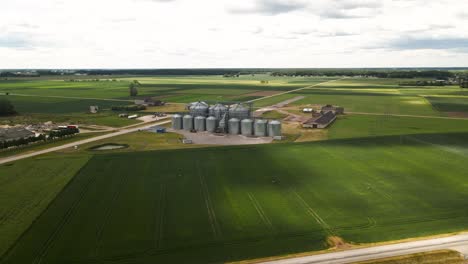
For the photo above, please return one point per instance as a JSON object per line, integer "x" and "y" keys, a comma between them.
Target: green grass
{"x": 200, "y": 206}
{"x": 26, "y": 189}
{"x": 352, "y": 126}
{"x": 449, "y": 104}
{"x": 273, "y": 115}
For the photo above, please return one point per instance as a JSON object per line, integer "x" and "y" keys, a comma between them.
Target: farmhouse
{"x": 15, "y": 133}
{"x": 338, "y": 110}
{"x": 321, "y": 122}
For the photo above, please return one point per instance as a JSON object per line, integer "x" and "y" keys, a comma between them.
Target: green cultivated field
{"x": 234, "y": 203}
{"x": 378, "y": 178}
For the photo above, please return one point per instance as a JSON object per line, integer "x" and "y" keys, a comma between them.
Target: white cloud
{"x": 225, "y": 33}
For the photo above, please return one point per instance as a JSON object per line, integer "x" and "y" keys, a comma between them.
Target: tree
{"x": 6, "y": 108}
{"x": 134, "y": 88}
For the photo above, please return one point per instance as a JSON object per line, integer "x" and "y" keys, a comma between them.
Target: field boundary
{"x": 64, "y": 220}
{"x": 292, "y": 91}
{"x": 69, "y": 97}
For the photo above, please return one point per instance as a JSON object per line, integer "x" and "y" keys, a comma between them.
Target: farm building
{"x": 321, "y": 122}
{"x": 15, "y": 133}
{"x": 149, "y": 102}
{"x": 338, "y": 110}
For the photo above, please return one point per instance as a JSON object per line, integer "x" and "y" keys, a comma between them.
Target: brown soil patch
{"x": 457, "y": 114}
{"x": 304, "y": 135}
{"x": 337, "y": 243}
{"x": 263, "y": 93}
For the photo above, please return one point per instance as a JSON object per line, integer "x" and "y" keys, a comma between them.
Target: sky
{"x": 233, "y": 34}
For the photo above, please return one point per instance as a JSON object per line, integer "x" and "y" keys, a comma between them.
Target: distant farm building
{"x": 323, "y": 121}
{"x": 15, "y": 133}
{"x": 93, "y": 109}
{"x": 338, "y": 110}
{"x": 149, "y": 102}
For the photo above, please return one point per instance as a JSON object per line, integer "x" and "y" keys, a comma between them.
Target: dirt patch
{"x": 303, "y": 134}
{"x": 337, "y": 242}
{"x": 457, "y": 114}
{"x": 263, "y": 93}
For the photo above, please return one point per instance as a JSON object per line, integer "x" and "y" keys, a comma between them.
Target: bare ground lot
{"x": 206, "y": 138}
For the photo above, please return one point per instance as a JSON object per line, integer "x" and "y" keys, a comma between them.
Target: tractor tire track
{"x": 159, "y": 224}
{"x": 108, "y": 214}
{"x": 209, "y": 206}
{"x": 260, "y": 211}
{"x": 314, "y": 214}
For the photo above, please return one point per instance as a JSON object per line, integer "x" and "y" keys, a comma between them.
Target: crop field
{"x": 233, "y": 203}
{"x": 381, "y": 172}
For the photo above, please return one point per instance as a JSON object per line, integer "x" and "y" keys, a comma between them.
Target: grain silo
{"x": 177, "y": 122}
{"x": 260, "y": 128}
{"x": 199, "y": 123}
{"x": 247, "y": 127}
{"x": 211, "y": 124}
{"x": 199, "y": 109}
{"x": 274, "y": 128}
{"x": 239, "y": 111}
{"x": 234, "y": 126}
{"x": 218, "y": 111}
{"x": 188, "y": 122}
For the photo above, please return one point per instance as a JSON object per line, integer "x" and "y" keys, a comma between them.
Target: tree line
{"x": 403, "y": 74}
{"x": 54, "y": 134}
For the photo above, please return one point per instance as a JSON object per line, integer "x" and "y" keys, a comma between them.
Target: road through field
{"x": 455, "y": 242}
{"x": 119, "y": 132}
{"x": 292, "y": 91}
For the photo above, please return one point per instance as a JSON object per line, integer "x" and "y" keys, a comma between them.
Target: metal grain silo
{"x": 199, "y": 123}
{"x": 234, "y": 126}
{"x": 177, "y": 122}
{"x": 218, "y": 110}
{"x": 211, "y": 124}
{"x": 274, "y": 128}
{"x": 239, "y": 111}
{"x": 260, "y": 128}
{"x": 188, "y": 122}
{"x": 199, "y": 109}
{"x": 247, "y": 127}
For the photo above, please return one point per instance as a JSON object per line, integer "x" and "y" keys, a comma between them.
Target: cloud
{"x": 350, "y": 9}
{"x": 269, "y": 7}
{"x": 16, "y": 41}
{"x": 340, "y": 14}
{"x": 429, "y": 43}
{"x": 358, "y": 4}
{"x": 463, "y": 15}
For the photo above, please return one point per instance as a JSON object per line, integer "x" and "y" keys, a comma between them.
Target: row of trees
{"x": 6, "y": 108}
{"x": 55, "y": 134}
{"x": 60, "y": 133}
{"x": 128, "y": 108}
{"x": 406, "y": 74}
{"x": 21, "y": 142}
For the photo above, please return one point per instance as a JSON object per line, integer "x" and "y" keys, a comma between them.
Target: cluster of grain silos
{"x": 234, "y": 119}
